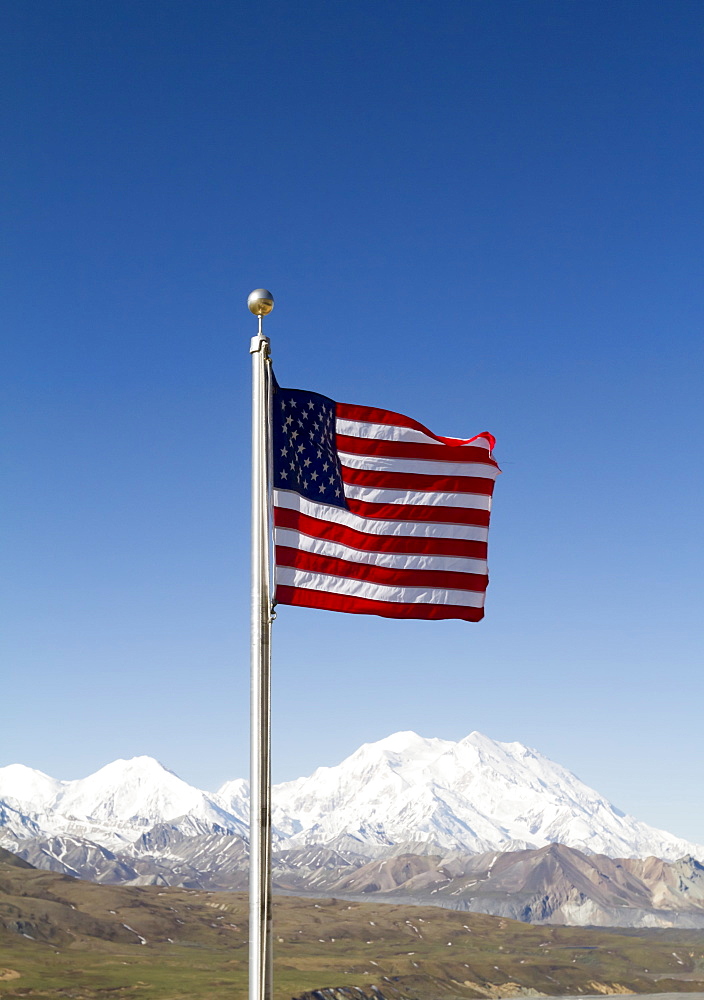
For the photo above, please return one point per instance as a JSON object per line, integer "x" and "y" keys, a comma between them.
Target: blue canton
{"x": 305, "y": 455}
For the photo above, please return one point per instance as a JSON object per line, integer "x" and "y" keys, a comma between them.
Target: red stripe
{"x": 334, "y": 532}
{"x": 412, "y": 481}
{"x": 432, "y": 579}
{"x": 372, "y": 415}
{"x": 412, "y": 512}
{"x": 359, "y": 606}
{"x": 409, "y": 449}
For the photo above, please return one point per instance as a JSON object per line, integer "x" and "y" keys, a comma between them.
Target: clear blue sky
{"x": 484, "y": 214}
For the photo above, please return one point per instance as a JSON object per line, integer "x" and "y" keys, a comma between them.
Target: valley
{"x": 63, "y": 937}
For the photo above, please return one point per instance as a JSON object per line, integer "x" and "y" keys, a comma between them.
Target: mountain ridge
{"x": 471, "y": 796}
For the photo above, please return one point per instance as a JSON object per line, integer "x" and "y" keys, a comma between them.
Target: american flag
{"x": 374, "y": 514}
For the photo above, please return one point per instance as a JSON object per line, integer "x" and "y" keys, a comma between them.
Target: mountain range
{"x": 407, "y": 817}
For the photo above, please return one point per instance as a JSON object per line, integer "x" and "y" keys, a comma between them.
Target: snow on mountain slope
{"x": 116, "y": 804}
{"x": 475, "y": 795}
{"x": 234, "y": 796}
{"x": 134, "y": 791}
{"x": 380, "y": 795}
{"x": 15, "y": 825}
{"x": 25, "y": 787}
{"x": 27, "y": 799}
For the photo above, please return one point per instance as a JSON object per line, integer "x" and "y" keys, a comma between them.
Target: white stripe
{"x": 387, "y": 432}
{"x": 288, "y": 576}
{"x": 423, "y": 499}
{"x": 374, "y": 526}
{"x": 389, "y": 560}
{"x": 392, "y": 432}
{"x": 426, "y": 467}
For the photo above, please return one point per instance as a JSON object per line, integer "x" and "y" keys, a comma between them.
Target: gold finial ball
{"x": 260, "y": 302}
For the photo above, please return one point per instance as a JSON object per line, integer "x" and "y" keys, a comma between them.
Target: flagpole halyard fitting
{"x": 260, "y": 302}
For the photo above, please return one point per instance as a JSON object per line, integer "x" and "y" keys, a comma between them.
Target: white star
{"x": 289, "y": 420}
{"x": 292, "y": 466}
{"x": 284, "y": 474}
{"x": 331, "y": 480}
{"x": 337, "y": 492}
{"x": 311, "y": 404}
{"x": 305, "y": 484}
{"x": 326, "y": 466}
{"x": 314, "y": 476}
{"x": 320, "y": 454}
{"x": 293, "y": 402}
{"x": 294, "y": 435}
{"x": 322, "y": 487}
{"x": 300, "y": 448}
{"x": 307, "y": 463}
{"x": 284, "y": 451}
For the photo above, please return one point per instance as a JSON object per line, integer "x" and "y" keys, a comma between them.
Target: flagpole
{"x": 260, "y": 302}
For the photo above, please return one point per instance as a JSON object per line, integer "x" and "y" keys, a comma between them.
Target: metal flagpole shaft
{"x": 261, "y": 303}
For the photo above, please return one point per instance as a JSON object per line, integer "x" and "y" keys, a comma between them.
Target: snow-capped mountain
{"x": 473, "y": 796}
{"x": 113, "y": 806}
{"x": 476, "y": 795}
